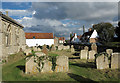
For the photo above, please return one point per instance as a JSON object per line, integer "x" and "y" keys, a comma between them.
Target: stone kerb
{"x": 62, "y": 64}
{"x": 84, "y": 54}
{"x": 102, "y": 62}
{"x": 115, "y": 61}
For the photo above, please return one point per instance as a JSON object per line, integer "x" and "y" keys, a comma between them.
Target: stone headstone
{"x": 45, "y": 50}
{"x": 86, "y": 48}
{"x": 115, "y": 61}
{"x": 40, "y": 54}
{"x": 62, "y": 64}
{"x": 94, "y": 47}
{"x": 53, "y": 48}
{"x": 102, "y": 62}
{"x": 31, "y": 66}
{"x": 60, "y": 47}
{"x": 38, "y": 49}
{"x": 109, "y": 52}
{"x": 27, "y": 51}
{"x": 92, "y": 54}
{"x": 47, "y": 67}
{"x": 83, "y": 54}
{"x": 66, "y": 47}
{"x": 72, "y": 49}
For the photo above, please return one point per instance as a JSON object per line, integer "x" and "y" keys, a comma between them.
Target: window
{"x": 33, "y": 37}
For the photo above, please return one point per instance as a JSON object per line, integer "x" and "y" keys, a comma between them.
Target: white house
{"x": 94, "y": 37}
{"x": 33, "y": 39}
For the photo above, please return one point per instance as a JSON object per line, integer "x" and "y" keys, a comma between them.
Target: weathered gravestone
{"x": 94, "y": 47}
{"x": 53, "y": 48}
{"x": 31, "y": 66}
{"x": 83, "y": 54}
{"x": 60, "y": 47}
{"x": 102, "y": 62}
{"x": 115, "y": 61}
{"x": 72, "y": 49}
{"x": 27, "y": 51}
{"x": 62, "y": 64}
{"x": 35, "y": 49}
{"x": 86, "y": 48}
{"x": 39, "y": 54}
{"x": 45, "y": 50}
{"x": 47, "y": 67}
{"x": 92, "y": 54}
{"x": 109, "y": 52}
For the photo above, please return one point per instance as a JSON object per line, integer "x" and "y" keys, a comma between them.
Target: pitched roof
{"x": 5, "y": 17}
{"x": 61, "y": 38}
{"x": 39, "y": 35}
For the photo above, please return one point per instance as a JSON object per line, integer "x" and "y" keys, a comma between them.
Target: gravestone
{"x": 53, "y": 48}
{"x": 92, "y": 54}
{"x": 115, "y": 60}
{"x": 31, "y": 66}
{"x": 83, "y": 54}
{"x": 102, "y": 62}
{"x": 66, "y": 47}
{"x": 94, "y": 47}
{"x": 109, "y": 52}
{"x": 72, "y": 49}
{"x": 27, "y": 51}
{"x": 38, "y": 49}
{"x": 60, "y": 47}
{"x": 40, "y": 54}
{"x": 86, "y": 48}
{"x": 62, "y": 64}
{"x": 47, "y": 67}
{"x": 45, "y": 50}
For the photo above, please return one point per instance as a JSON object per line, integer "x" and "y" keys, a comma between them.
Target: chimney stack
{"x": 7, "y": 13}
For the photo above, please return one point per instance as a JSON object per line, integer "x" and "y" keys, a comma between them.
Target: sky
{"x": 61, "y": 18}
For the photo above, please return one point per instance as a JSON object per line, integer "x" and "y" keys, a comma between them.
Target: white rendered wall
{"x": 33, "y": 42}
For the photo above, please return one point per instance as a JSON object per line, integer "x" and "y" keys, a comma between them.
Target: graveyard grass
{"x": 80, "y": 70}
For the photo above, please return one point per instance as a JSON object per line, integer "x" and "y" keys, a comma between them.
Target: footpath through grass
{"x": 79, "y": 70}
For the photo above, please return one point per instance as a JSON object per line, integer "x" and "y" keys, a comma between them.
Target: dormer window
{"x": 33, "y": 37}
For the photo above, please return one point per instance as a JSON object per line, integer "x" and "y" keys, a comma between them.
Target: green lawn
{"x": 79, "y": 70}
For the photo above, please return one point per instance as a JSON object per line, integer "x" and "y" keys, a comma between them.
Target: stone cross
{"x": 109, "y": 52}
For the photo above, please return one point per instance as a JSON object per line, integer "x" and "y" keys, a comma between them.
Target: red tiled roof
{"x": 39, "y": 35}
{"x": 61, "y": 38}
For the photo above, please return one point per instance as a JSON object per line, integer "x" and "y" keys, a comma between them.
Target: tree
{"x": 117, "y": 30}
{"x": 105, "y": 31}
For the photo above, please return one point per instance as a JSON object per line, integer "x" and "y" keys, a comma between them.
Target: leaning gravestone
{"x": 102, "y": 62}
{"x": 27, "y": 51}
{"x": 92, "y": 54}
{"x": 94, "y": 47}
{"x": 31, "y": 66}
{"x": 45, "y": 50}
{"x": 109, "y": 52}
{"x": 47, "y": 67}
{"x": 86, "y": 48}
{"x": 83, "y": 54}
{"x": 115, "y": 61}
{"x": 72, "y": 49}
{"x": 62, "y": 64}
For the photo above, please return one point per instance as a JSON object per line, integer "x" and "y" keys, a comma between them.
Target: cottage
{"x": 12, "y": 36}
{"x": 33, "y": 39}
